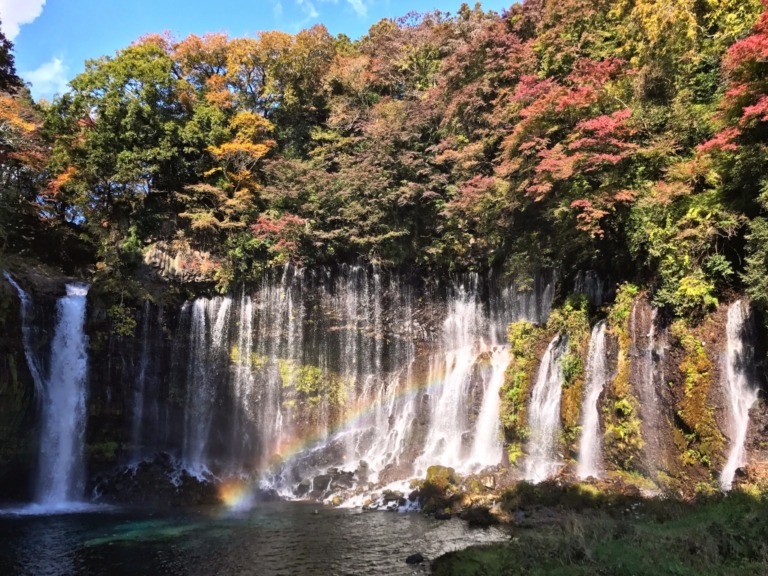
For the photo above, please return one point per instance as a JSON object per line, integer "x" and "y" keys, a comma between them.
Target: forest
{"x": 604, "y": 135}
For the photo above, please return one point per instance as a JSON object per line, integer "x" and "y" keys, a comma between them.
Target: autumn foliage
{"x": 624, "y": 136}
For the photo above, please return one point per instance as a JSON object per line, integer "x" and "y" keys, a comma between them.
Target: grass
{"x": 719, "y": 537}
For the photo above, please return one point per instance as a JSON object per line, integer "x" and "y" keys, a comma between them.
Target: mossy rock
{"x": 439, "y": 491}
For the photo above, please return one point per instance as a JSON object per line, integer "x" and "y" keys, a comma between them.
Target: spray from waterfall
{"x": 741, "y": 393}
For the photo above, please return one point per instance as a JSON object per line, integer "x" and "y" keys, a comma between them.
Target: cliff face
{"x": 375, "y": 377}
{"x": 19, "y": 421}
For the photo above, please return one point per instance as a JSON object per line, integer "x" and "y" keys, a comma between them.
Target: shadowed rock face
{"x": 648, "y": 354}
{"x": 18, "y": 405}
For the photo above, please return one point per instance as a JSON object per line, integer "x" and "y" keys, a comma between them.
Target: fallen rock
{"x": 414, "y": 559}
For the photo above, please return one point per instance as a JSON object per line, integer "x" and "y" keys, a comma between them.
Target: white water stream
{"x": 62, "y": 402}
{"x": 741, "y": 393}
{"x": 544, "y": 415}
{"x": 598, "y": 374}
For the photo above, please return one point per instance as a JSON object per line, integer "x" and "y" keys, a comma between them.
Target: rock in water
{"x": 414, "y": 559}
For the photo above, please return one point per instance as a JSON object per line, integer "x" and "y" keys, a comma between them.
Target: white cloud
{"x": 277, "y": 10}
{"x": 15, "y": 13}
{"x": 48, "y": 79}
{"x": 309, "y": 9}
{"x": 359, "y": 7}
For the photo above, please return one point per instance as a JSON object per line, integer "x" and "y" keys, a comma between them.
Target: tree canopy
{"x": 623, "y": 136}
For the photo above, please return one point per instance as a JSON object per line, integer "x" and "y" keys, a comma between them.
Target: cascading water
{"x": 208, "y": 342}
{"x": 449, "y": 422}
{"x": 487, "y": 447}
{"x": 741, "y": 393}
{"x": 318, "y": 371}
{"x": 598, "y": 373}
{"x": 26, "y": 334}
{"x": 544, "y": 415}
{"x": 62, "y": 400}
{"x": 61, "y": 476}
{"x": 648, "y": 351}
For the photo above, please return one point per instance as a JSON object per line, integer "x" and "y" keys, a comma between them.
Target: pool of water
{"x": 285, "y": 538}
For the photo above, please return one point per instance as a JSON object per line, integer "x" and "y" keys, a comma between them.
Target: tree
{"x": 9, "y": 81}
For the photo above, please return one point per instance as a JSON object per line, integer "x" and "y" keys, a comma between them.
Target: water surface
{"x": 284, "y": 538}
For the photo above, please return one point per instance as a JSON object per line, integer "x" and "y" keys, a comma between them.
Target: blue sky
{"x": 53, "y": 38}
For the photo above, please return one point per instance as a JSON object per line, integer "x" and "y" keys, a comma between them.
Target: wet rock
{"x": 443, "y": 515}
{"x": 488, "y": 482}
{"x": 414, "y": 559}
{"x": 362, "y": 472}
{"x": 321, "y": 482}
{"x": 439, "y": 491}
{"x": 303, "y": 488}
{"x": 159, "y": 482}
{"x": 343, "y": 480}
{"x": 394, "y": 472}
{"x": 390, "y": 495}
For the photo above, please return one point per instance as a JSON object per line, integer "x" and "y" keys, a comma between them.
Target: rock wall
{"x": 314, "y": 354}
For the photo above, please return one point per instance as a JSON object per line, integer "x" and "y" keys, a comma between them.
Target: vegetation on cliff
{"x": 607, "y": 135}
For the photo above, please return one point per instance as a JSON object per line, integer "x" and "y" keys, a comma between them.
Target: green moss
{"x": 122, "y": 319}
{"x": 439, "y": 491}
{"x": 310, "y": 386}
{"x": 704, "y": 443}
{"x": 572, "y": 320}
{"x": 103, "y": 451}
{"x": 523, "y": 337}
{"x": 623, "y": 439}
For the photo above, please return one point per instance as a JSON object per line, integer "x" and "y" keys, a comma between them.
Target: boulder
{"x": 321, "y": 482}
{"x": 414, "y": 559}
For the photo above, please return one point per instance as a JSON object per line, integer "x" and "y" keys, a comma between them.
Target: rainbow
{"x": 237, "y": 493}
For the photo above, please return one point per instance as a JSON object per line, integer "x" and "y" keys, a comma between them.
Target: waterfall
{"x": 62, "y": 399}
{"x": 139, "y": 392}
{"x": 61, "y": 476}
{"x": 740, "y": 391}
{"x": 544, "y": 414}
{"x": 452, "y": 369}
{"x": 592, "y": 286}
{"x": 245, "y": 390}
{"x": 487, "y": 447}
{"x": 26, "y": 335}
{"x": 598, "y": 374}
{"x": 351, "y": 369}
{"x": 207, "y": 340}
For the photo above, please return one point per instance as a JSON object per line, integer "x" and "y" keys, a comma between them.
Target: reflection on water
{"x": 275, "y": 539}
